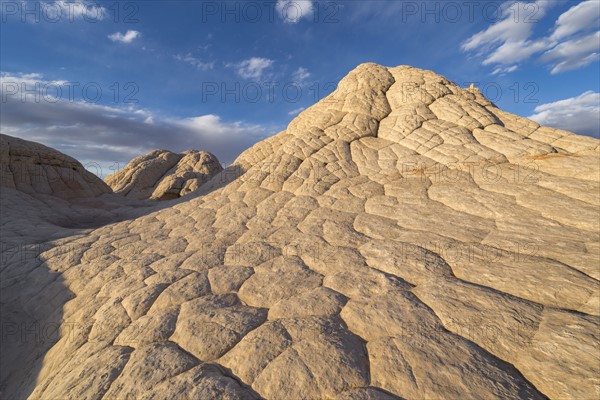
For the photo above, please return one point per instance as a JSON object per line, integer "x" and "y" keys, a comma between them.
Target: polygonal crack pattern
{"x": 403, "y": 238}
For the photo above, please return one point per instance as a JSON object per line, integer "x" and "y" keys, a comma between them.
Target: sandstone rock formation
{"x": 34, "y": 168}
{"x": 402, "y": 238}
{"x": 163, "y": 175}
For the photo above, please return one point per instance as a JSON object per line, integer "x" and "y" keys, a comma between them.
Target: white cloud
{"x": 574, "y": 54}
{"x": 296, "y": 111}
{"x": 252, "y": 68}
{"x": 195, "y": 62}
{"x": 211, "y": 127}
{"x": 576, "y": 114}
{"x": 510, "y": 29}
{"x": 300, "y": 75}
{"x": 573, "y": 64}
{"x": 105, "y": 134}
{"x": 568, "y": 47}
{"x": 292, "y": 11}
{"x": 77, "y": 9}
{"x": 504, "y": 70}
{"x": 128, "y": 37}
{"x": 27, "y": 81}
{"x": 512, "y": 52}
{"x": 582, "y": 16}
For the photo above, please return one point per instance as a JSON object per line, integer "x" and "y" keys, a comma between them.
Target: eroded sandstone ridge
{"x": 402, "y": 238}
{"x": 164, "y": 175}
{"x": 34, "y": 168}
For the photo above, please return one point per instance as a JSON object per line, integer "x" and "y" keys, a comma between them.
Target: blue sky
{"x": 107, "y": 81}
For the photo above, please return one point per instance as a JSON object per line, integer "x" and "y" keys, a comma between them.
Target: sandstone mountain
{"x": 402, "y": 238}
{"x": 164, "y": 175}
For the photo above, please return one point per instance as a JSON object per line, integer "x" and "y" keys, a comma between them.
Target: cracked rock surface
{"x": 36, "y": 169}
{"x": 402, "y": 238}
{"x": 164, "y": 175}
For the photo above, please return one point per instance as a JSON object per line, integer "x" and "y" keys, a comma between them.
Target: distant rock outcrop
{"x": 36, "y": 169}
{"x": 164, "y": 175}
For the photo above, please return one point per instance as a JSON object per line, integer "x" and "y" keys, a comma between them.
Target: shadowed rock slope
{"x": 402, "y": 238}
{"x": 44, "y": 196}
{"x": 163, "y": 175}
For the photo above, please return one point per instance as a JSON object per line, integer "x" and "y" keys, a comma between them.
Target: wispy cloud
{"x": 252, "y": 68}
{"x": 128, "y": 37}
{"x": 301, "y": 75}
{"x": 297, "y": 111}
{"x": 569, "y": 46}
{"x": 504, "y": 70}
{"x": 574, "y": 54}
{"x": 195, "y": 62}
{"x": 577, "y": 114}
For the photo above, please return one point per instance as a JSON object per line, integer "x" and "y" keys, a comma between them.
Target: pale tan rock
{"x": 208, "y": 327}
{"x": 364, "y": 394}
{"x": 36, "y": 169}
{"x": 148, "y": 366}
{"x": 402, "y": 238}
{"x": 228, "y": 279}
{"x": 318, "y": 302}
{"x": 277, "y": 280}
{"x": 163, "y": 175}
{"x": 90, "y": 376}
{"x": 206, "y": 381}
{"x": 262, "y": 345}
{"x": 155, "y": 327}
{"x": 191, "y": 286}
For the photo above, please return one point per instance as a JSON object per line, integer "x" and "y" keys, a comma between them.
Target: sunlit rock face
{"x": 164, "y": 175}
{"x": 36, "y": 169}
{"x": 402, "y": 238}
